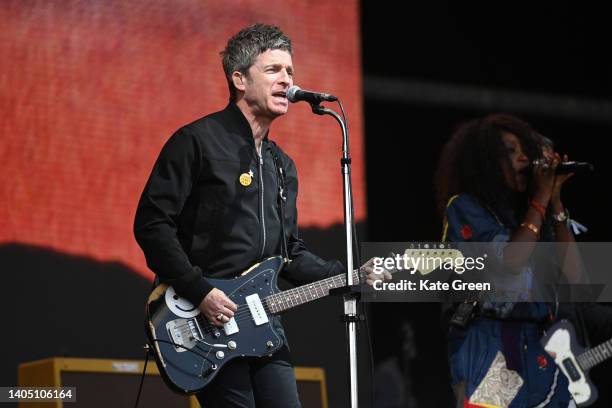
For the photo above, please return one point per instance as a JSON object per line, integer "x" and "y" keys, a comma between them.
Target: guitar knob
{"x": 220, "y": 355}
{"x": 269, "y": 344}
{"x": 231, "y": 345}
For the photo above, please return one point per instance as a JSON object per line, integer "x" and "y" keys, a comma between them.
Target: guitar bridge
{"x": 184, "y": 333}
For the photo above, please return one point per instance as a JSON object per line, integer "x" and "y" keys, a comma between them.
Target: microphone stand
{"x": 350, "y": 316}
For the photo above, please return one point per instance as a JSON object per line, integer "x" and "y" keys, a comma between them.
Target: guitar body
{"x": 561, "y": 340}
{"x": 190, "y": 351}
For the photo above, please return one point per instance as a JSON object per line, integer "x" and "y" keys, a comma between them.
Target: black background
{"x": 546, "y": 48}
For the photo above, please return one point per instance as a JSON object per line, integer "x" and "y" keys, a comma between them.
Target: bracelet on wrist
{"x": 561, "y": 217}
{"x": 532, "y": 228}
{"x": 539, "y": 208}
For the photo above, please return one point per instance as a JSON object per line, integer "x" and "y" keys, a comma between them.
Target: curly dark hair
{"x": 244, "y": 47}
{"x": 471, "y": 162}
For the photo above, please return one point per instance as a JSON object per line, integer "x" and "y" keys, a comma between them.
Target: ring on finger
{"x": 220, "y": 316}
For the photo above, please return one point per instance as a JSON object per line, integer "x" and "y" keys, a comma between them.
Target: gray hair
{"x": 243, "y": 48}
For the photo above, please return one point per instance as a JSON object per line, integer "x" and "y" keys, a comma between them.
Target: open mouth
{"x": 280, "y": 95}
{"x": 525, "y": 171}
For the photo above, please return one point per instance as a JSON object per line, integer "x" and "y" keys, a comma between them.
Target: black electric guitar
{"x": 190, "y": 351}
{"x": 574, "y": 361}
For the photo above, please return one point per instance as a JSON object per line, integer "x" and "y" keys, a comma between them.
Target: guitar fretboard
{"x": 596, "y": 355}
{"x": 285, "y": 300}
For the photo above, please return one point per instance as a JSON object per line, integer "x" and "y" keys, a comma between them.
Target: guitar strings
{"x": 243, "y": 314}
{"x": 288, "y": 295}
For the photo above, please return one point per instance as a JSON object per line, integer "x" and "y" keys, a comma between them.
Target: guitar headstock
{"x": 422, "y": 257}
{"x": 427, "y": 257}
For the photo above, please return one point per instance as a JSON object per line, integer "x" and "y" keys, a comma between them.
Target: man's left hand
{"x": 367, "y": 272}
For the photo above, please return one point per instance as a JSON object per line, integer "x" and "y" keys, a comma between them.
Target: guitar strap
{"x": 282, "y": 196}
{"x": 585, "y": 333}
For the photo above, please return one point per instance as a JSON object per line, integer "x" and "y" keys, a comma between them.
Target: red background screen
{"x": 91, "y": 90}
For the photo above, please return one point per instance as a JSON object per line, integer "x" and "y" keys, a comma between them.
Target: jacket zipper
{"x": 263, "y": 220}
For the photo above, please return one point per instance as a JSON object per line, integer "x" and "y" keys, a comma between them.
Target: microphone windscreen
{"x": 291, "y": 93}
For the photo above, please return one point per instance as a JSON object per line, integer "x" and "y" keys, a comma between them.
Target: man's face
{"x": 267, "y": 82}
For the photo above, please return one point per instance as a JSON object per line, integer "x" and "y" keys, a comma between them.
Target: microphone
{"x": 295, "y": 94}
{"x": 574, "y": 167}
{"x": 571, "y": 167}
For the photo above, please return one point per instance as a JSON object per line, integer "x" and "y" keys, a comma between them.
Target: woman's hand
{"x": 560, "y": 179}
{"x": 544, "y": 178}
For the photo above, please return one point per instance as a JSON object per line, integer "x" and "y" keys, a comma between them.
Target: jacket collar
{"x": 240, "y": 123}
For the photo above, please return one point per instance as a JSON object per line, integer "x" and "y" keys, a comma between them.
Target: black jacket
{"x": 196, "y": 219}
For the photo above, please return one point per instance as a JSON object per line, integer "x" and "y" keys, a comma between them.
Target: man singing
{"x": 210, "y": 209}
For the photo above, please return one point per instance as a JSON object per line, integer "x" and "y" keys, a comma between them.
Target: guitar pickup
{"x": 231, "y": 327}
{"x": 257, "y": 310}
{"x": 571, "y": 369}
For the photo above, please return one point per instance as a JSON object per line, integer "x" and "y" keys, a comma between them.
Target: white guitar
{"x": 574, "y": 361}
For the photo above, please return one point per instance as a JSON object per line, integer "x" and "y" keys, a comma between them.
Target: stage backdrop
{"x": 91, "y": 90}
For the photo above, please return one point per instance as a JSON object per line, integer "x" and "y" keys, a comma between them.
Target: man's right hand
{"x": 217, "y": 307}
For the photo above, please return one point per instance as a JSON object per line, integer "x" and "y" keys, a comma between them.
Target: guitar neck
{"x": 279, "y": 302}
{"x": 282, "y": 301}
{"x": 596, "y": 355}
